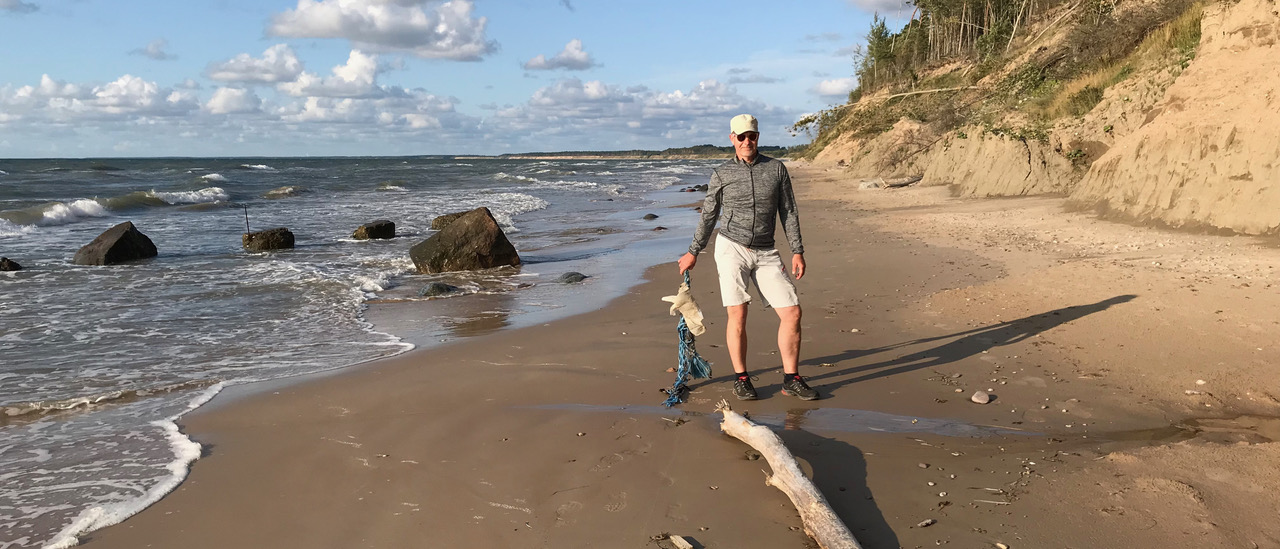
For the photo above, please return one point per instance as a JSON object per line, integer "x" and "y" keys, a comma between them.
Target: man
{"x": 754, "y": 191}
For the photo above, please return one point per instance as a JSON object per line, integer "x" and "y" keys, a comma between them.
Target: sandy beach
{"x": 1131, "y": 368}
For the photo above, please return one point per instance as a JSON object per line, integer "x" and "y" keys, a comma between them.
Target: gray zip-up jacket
{"x": 753, "y": 197}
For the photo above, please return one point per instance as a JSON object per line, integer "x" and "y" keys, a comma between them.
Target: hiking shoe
{"x": 743, "y": 389}
{"x": 796, "y": 387}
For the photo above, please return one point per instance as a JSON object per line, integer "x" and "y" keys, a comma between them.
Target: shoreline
{"x": 419, "y": 445}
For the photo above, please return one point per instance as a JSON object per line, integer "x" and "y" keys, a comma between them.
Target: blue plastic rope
{"x": 691, "y": 365}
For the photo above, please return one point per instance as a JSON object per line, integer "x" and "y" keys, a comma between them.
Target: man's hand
{"x": 797, "y": 266}
{"x": 687, "y": 261}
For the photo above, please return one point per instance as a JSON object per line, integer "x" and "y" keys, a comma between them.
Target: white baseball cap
{"x": 744, "y": 123}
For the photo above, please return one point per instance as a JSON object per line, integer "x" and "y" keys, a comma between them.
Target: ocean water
{"x": 97, "y": 363}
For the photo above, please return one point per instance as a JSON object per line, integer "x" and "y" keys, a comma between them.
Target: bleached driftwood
{"x": 820, "y": 522}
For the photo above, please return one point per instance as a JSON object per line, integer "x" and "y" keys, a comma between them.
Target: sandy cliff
{"x": 1209, "y": 153}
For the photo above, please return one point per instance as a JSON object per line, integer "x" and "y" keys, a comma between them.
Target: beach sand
{"x": 1120, "y": 358}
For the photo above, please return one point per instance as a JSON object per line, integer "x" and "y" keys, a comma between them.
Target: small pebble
{"x": 942, "y": 494}
{"x": 931, "y": 483}
{"x": 1001, "y": 546}
{"x": 926, "y": 522}
{"x": 980, "y": 397}
{"x": 924, "y": 465}
{"x": 1200, "y": 382}
{"x": 582, "y": 434}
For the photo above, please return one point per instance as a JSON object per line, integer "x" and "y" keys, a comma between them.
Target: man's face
{"x": 746, "y": 144}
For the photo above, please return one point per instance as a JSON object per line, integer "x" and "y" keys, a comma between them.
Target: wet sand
{"x": 1091, "y": 335}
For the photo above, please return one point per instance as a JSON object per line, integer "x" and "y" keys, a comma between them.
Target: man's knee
{"x": 737, "y": 314}
{"x": 789, "y": 315}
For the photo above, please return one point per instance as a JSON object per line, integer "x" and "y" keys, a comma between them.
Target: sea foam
{"x": 208, "y": 194}
{"x": 185, "y": 451}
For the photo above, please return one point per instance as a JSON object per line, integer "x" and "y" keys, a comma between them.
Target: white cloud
{"x": 835, "y": 88}
{"x": 571, "y": 58}
{"x": 277, "y": 64}
{"x": 587, "y": 112}
{"x": 17, "y": 6}
{"x": 354, "y": 79}
{"x": 155, "y": 50}
{"x": 232, "y": 101}
{"x": 50, "y": 88}
{"x": 132, "y": 95}
{"x": 420, "y": 27}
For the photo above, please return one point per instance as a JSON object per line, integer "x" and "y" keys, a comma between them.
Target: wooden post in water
{"x": 246, "y": 218}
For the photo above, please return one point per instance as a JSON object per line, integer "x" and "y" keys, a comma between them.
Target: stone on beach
{"x": 650, "y": 217}
{"x": 571, "y": 278}
{"x": 119, "y": 244}
{"x": 380, "y": 229}
{"x": 279, "y": 238}
{"x": 436, "y": 289}
{"x": 981, "y": 397}
{"x": 7, "y": 264}
{"x": 471, "y": 242}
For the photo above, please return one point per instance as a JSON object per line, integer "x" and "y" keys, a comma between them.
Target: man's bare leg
{"x": 736, "y": 337}
{"x": 788, "y": 338}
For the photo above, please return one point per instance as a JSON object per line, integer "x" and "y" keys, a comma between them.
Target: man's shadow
{"x": 970, "y": 343}
{"x": 840, "y": 473}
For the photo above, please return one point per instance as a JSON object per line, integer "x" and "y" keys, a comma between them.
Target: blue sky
{"x": 83, "y": 78}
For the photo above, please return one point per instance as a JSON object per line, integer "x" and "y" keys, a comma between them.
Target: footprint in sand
{"x": 619, "y": 502}
{"x": 564, "y": 511}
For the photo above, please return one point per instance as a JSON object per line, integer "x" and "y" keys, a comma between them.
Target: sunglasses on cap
{"x": 747, "y": 136}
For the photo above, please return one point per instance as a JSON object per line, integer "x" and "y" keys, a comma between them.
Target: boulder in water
{"x": 119, "y": 244}
{"x": 7, "y": 264}
{"x": 571, "y": 278}
{"x": 437, "y": 288}
{"x": 271, "y": 239}
{"x": 380, "y": 229}
{"x": 444, "y": 220}
{"x": 473, "y": 241}
{"x": 650, "y": 217}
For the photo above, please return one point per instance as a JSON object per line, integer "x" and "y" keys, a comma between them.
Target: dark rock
{"x": 437, "y": 288}
{"x": 659, "y": 228}
{"x": 472, "y": 241}
{"x": 650, "y": 217}
{"x": 7, "y": 264}
{"x": 380, "y": 229}
{"x": 119, "y": 244}
{"x": 444, "y": 220}
{"x": 284, "y": 192}
{"x": 701, "y": 188}
{"x": 571, "y": 278}
{"x": 270, "y": 239}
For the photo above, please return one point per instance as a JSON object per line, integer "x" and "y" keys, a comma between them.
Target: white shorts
{"x": 739, "y": 265}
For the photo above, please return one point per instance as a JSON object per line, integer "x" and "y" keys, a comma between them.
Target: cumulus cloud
{"x": 423, "y": 28}
{"x": 354, "y": 79}
{"x": 571, "y": 58}
{"x": 835, "y": 88}
{"x": 17, "y": 6}
{"x": 277, "y": 64}
{"x": 155, "y": 50}
{"x": 571, "y": 109}
{"x": 233, "y": 101}
{"x": 133, "y": 95}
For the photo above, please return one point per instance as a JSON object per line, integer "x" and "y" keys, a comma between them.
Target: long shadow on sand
{"x": 970, "y": 343}
{"x": 840, "y": 473}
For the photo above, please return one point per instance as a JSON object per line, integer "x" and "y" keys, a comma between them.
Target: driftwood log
{"x": 820, "y": 522}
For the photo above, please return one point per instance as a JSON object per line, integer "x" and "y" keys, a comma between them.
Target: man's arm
{"x": 789, "y": 215}
{"x": 710, "y": 214}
